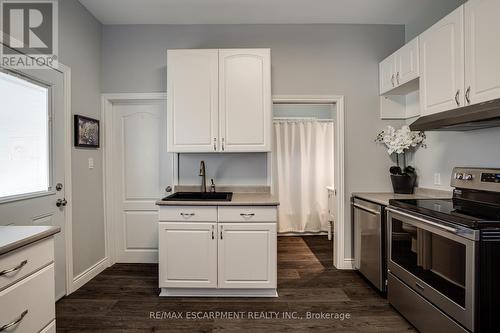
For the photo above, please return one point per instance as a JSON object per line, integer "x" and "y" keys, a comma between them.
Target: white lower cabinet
{"x": 247, "y": 255}
{"x": 234, "y": 254}
{"x": 27, "y": 286}
{"x": 188, "y": 255}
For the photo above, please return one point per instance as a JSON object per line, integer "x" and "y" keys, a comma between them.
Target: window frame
{"x": 50, "y": 146}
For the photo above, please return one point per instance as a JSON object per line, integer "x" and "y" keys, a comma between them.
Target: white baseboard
{"x": 89, "y": 274}
{"x": 214, "y": 292}
{"x": 346, "y": 264}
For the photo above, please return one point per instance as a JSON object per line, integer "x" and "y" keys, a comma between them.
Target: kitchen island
{"x": 219, "y": 248}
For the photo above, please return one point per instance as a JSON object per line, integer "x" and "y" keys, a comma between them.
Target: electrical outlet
{"x": 91, "y": 163}
{"x": 437, "y": 179}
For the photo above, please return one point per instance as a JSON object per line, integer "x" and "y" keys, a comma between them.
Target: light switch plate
{"x": 437, "y": 179}
{"x": 91, "y": 163}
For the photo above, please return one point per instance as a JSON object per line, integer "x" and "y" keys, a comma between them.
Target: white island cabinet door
{"x": 192, "y": 100}
{"x": 245, "y": 100}
{"x": 482, "y": 50}
{"x": 442, "y": 64}
{"x": 247, "y": 255}
{"x": 188, "y": 255}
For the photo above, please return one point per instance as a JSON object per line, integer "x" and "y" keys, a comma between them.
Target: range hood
{"x": 467, "y": 118}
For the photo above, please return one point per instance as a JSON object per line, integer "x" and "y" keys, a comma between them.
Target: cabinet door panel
{"x": 482, "y": 50}
{"x": 192, "y": 99}
{"x": 188, "y": 255}
{"x": 247, "y": 255}
{"x": 407, "y": 63}
{"x": 387, "y": 74}
{"x": 245, "y": 99}
{"x": 442, "y": 64}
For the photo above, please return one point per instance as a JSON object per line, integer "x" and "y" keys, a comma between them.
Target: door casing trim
{"x": 339, "y": 259}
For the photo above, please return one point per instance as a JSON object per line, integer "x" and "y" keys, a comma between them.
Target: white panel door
{"x": 407, "y": 63}
{"x": 188, "y": 255}
{"x": 247, "y": 255}
{"x": 192, "y": 90}
{"x": 142, "y": 173}
{"x": 442, "y": 64}
{"x": 387, "y": 74}
{"x": 245, "y": 99}
{"x": 32, "y": 124}
{"x": 482, "y": 50}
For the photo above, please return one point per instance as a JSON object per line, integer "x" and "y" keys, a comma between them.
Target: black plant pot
{"x": 403, "y": 184}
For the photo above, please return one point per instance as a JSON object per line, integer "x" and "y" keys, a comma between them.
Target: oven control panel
{"x": 476, "y": 179}
{"x": 490, "y": 177}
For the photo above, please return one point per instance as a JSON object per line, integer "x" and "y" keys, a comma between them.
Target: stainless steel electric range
{"x": 444, "y": 256}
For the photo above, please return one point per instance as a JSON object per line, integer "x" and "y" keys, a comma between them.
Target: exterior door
{"x": 387, "y": 72}
{"x": 482, "y": 50}
{"x": 247, "y": 255}
{"x": 188, "y": 253}
{"x": 442, "y": 62}
{"x": 142, "y": 171}
{"x": 192, "y": 89}
{"x": 32, "y": 140}
{"x": 245, "y": 100}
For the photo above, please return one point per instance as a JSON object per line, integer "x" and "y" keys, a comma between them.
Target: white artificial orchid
{"x": 401, "y": 140}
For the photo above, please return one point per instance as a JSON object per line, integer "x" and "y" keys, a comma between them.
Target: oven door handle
{"x": 368, "y": 210}
{"x": 434, "y": 224}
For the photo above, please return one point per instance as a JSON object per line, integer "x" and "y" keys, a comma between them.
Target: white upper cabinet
{"x": 387, "y": 73}
{"x": 400, "y": 68}
{"x": 442, "y": 65}
{"x": 482, "y": 50}
{"x": 192, "y": 100}
{"x": 219, "y": 100}
{"x": 407, "y": 62}
{"x": 245, "y": 99}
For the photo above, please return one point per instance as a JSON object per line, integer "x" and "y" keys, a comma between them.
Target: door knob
{"x": 61, "y": 202}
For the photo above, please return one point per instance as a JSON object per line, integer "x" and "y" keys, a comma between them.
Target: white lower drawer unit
{"x": 188, "y": 213}
{"x": 247, "y": 214}
{"x": 29, "y": 304}
{"x": 25, "y": 260}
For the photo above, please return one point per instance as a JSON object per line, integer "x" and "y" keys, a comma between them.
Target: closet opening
{"x": 304, "y": 162}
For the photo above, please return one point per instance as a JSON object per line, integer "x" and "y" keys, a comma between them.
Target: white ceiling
{"x": 257, "y": 11}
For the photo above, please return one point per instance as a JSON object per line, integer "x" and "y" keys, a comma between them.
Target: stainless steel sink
{"x": 199, "y": 196}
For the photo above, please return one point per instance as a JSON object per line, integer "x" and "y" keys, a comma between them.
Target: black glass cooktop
{"x": 476, "y": 215}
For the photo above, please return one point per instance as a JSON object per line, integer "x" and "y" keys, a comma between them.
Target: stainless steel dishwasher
{"x": 369, "y": 240}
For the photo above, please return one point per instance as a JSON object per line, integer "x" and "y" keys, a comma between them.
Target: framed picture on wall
{"x": 86, "y": 132}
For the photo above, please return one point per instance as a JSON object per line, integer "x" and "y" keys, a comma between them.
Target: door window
{"x": 24, "y": 137}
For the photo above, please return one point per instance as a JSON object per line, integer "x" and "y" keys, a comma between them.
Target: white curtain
{"x": 303, "y": 167}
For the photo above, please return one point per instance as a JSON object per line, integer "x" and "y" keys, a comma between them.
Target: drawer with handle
{"x": 28, "y": 306}
{"x": 188, "y": 213}
{"x": 17, "y": 264}
{"x": 247, "y": 214}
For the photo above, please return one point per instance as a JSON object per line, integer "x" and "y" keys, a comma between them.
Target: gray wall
{"x": 480, "y": 148}
{"x": 80, "y": 48}
{"x": 306, "y": 59}
{"x": 440, "y": 9}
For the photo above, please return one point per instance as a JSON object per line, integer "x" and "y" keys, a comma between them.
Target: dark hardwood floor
{"x": 122, "y": 298}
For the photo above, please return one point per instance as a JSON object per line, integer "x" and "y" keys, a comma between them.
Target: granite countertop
{"x": 239, "y": 199}
{"x": 13, "y": 237}
{"x": 383, "y": 198}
